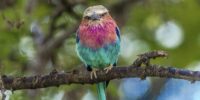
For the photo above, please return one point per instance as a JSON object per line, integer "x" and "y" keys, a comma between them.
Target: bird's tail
{"x": 101, "y": 90}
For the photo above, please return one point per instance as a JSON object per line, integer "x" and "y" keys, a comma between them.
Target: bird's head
{"x": 95, "y": 14}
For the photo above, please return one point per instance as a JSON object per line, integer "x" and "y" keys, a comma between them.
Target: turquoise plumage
{"x": 98, "y": 43}
{"x": 99, "y": 58}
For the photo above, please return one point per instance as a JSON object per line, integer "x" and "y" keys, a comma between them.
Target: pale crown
{"x": 99, "y": 9}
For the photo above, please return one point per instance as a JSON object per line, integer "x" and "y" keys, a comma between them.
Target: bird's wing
{"x": 77, "y": 37}
{"x": 118, "y": 32}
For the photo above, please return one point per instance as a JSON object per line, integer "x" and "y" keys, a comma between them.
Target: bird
{"x": 98, "y": 43}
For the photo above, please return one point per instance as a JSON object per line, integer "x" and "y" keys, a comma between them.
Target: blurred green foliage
{"x": 142, "y": 21}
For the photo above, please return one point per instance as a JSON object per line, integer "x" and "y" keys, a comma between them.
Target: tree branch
{"x": 62, "y": 7}
{"x": 80, "y": 76}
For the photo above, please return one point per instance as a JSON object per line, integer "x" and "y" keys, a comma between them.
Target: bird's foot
{"x": 93, "y": 72}
{"x": 108, "y": 68}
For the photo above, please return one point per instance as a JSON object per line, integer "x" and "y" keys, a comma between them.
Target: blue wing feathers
{"x": 117, "y": 32}
{"x": 77, "y": 38}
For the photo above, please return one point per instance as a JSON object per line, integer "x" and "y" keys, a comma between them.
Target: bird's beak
{"x": 95, "y": 16}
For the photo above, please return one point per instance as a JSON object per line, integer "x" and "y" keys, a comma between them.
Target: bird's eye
{"x": 87, "y": 17}
{"x": 103, "y": 14}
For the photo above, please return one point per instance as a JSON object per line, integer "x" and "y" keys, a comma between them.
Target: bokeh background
{"x": 37, "y": 36}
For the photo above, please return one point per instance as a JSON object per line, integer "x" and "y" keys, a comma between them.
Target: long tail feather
{"x": 101, "y": 90}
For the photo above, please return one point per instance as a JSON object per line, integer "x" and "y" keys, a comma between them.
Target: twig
{"x": 61, "y": 8}
{"x": 145, "y": 58}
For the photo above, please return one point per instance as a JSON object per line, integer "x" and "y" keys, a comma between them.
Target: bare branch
{"x": 57, "y": 42}
{"x": 56, "y": 14}
{"x": 80, "y": 76}
{"x": 62, "y": 7}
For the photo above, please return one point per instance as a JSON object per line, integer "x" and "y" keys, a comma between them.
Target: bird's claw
{"x": 93, "y": 73}
{"x": 108, "y": 68}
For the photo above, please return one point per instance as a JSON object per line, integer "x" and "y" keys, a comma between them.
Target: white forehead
{"x": 99, "y": 9}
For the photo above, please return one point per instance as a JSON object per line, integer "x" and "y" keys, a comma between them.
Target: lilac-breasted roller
{"x": 98, "y": 42}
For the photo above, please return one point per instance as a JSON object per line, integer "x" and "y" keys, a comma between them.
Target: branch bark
{"x": 80, "y": 76}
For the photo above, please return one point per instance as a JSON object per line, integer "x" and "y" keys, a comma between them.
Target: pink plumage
{"x": 97, "y": 35}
